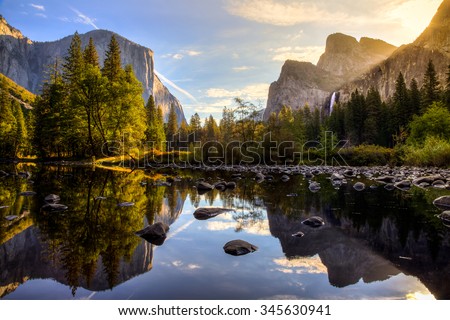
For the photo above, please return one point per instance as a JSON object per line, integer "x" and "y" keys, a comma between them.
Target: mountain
{"x": 412, "y": 59}
{"x": 346, "y": 57}
{"x": 300, "y": 83}
{"x": 26, "y": 62}
{"x": 367, "y": 63}
{"x": 303, "y": 83}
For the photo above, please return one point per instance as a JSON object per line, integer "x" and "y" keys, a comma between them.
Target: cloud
{"x": 173, "y": 85}
{"x": 84, "y": 19}
{"x": 181, "y": 54}
{"x": 250, "y": 92}
{"x": 38, "y": 6}
{"x": 279, "y": 13}
{"x": 309, "y": 53}
{"x": 41, "y": 15}
{"x": 242, "y": 68}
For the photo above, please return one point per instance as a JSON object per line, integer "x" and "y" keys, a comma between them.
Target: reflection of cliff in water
{"x": 92, "y": 245}
{"x": 351, "y": 253}
{"x": 25, "y": 257}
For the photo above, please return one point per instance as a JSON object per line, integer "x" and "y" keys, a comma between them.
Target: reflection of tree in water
{"x": 92, "y": 229}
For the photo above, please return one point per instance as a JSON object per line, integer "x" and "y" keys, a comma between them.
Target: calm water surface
{"x": 376, "y": 244}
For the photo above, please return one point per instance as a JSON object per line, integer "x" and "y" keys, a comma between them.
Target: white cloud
{"x": 38, "y": 6}
{"x": 279, "y": 13}
{"x": 309, "y": 53}
{"x": 250, "y": 92}
{"x": 41, "y": 15}
{"x": 242, "y": 68}
{"x": 84, "y": 19}
{"x": 181, "y": 54}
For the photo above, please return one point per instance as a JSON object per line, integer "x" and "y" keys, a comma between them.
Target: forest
{"x": 89, "y": 111}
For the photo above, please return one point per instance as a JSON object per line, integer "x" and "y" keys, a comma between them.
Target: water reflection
{"x": 369, "y": 237}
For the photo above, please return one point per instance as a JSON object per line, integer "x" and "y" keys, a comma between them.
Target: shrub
{"x": 435, "y": 151}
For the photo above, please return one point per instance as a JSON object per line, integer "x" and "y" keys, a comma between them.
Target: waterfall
{"x": 333, "y": 100}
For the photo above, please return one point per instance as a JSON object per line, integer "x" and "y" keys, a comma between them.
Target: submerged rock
{"x": 27, "y": 193}
{"x": 445, "y": 217}
{"x": 204, "y": 186}
{"x": 314, "y": 222}
{"x": 208, "y": 213}
{"x": 389, "y": 187}
{"x": 298, "y": 234}
{"x": 403, "y": 185}
{"x": 442, "y": 202}
{"x": 285, "y": 178}
{"x": 54, "y": 207}
{"x": 11, "y": 217}
{"x": 314, "y": 186}
{"x": 427, "y": 179}
{"x": 125, "y": 204}
{"x": 231, "y": 185}
{"x": 239, "y": 247}
{"x": 259, "y": 177}
{"x": 155, "y": 233}
{"x": 53, "y": 198}
{"x": 359, "y": 186}
{"x": 385, "y": 179}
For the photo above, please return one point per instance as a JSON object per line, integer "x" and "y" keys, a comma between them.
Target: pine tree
{"x": 372, "y": 121}
{"x": 21, "y": 135}
{"x": 447, "y": 89}
{"x": 90, "y": 54}
{"x": 195, "y": 126}
{"x": 414, "y": 98}
{"x": 356, "y": 117}
{"x": 155, "y": 125}
{"x": 172, "y": 126}
{"x": 430, "y": 88}
{"x": 112, "y": 66}
{"x": 401, "y": 104}
{"x": 73, "y": 65}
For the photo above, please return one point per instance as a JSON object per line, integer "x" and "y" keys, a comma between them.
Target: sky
{"x": 207, "y": 52}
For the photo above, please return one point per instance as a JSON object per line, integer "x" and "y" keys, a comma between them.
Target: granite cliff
{"x": 351, "y": 65}
{"x": 26, "y": 61}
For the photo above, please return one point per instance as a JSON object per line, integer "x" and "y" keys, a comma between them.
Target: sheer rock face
{"x": 26, "y": 62}
{"x": 412, "y": 59}
{"x": 368, "y": 63}
{"x": 346, "y": 57}
{"x": 300, "y": 83}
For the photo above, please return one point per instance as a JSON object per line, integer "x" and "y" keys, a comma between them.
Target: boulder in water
{"x": 208, "y": 213}
{"x": 285, "y": 178}
{"x": 231, "y": 185}
{"x": 359, "y": 186}
{"x": 442, "y": 202}
{"x": 403, "y": 185}
{"x": 204, "y": 187}
{"x": 239, "y": 247}
{"x": 125, "y": 204}
{"x": 314, "y": 222}
{"x": 52, "y": 207}
{"x": 155, "y": 233}
{"x": 27, "y": 193}
{"x": 298, "y": 234}
{"x": 52, "y": 198}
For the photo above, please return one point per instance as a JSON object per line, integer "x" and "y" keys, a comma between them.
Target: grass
{"x": 434, "y": 152}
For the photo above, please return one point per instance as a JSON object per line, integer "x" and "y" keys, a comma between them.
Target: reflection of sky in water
{"x": 192, "y": 265}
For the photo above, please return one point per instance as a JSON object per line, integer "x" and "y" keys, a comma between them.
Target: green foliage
{"x": 430, "y": 89}
{"x": 434, "y": 151}
{"x": 155, "y": 126}
{"x": 13, "y": 127}
{"x": 435, "y": 122}
{"x": 17, "y": 91}
{"x": 368, "y": 155}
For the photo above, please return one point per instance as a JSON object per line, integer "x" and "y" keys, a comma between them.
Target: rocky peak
{"x": 437, "y": 35}
{"x": 7, "y": 30}
{"x": 347, "y": 58}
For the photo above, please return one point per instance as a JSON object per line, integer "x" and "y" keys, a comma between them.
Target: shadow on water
{"x": 371, "y": 235}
